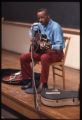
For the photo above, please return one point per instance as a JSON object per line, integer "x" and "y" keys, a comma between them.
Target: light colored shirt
{"x": 54, "y": 33}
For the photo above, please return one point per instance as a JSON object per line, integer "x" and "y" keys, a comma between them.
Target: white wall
{"x": 73, "y": 56}
{"x": 16, "y": 38}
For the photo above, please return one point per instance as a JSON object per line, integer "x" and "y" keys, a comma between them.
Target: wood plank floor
{"x": 72, "y": 76}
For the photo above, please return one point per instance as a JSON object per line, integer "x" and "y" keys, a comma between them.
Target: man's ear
{"x": 48, "y": 17}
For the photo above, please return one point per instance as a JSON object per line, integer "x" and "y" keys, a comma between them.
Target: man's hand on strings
{"x": 42, "y": 45}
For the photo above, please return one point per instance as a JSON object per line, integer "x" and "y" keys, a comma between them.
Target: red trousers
{"x": 46, "y": 59}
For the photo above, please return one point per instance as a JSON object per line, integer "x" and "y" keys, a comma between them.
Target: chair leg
{"x": 63, "y": 73}
{"x": 53, "y": 70}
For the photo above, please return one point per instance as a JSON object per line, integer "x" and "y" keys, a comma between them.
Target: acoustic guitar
{"x": 40, "y": 39}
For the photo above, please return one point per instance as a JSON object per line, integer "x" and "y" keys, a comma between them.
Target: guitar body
{"x": 59, "y": 98}
{"x": 40, "y": 39}
{"x": 15, "y": 78}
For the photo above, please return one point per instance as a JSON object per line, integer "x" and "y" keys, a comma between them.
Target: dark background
{"x": 67, "y": 14}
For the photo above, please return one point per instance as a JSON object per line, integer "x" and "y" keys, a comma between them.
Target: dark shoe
{"x": 44, "y": 86}
{"x": 29, "y": 85}
{"x": 37, "y": 76}
{"x": 26, "y": 81}
{"x": 37, "y": 82}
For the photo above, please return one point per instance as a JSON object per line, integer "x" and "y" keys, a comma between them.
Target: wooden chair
{"x": 59, "y": 66}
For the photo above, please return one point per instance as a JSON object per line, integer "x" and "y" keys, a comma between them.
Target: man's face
{"x": 43, "y": 17}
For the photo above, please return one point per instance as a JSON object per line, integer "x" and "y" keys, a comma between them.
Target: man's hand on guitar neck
{"x": 30, "y": 38}
{"x": 31, "y": 41}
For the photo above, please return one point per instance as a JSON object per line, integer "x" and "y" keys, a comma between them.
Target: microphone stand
{"x": 33, "y": 90}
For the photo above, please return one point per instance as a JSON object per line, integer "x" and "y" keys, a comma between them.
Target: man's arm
{"x": 58, "y": 39}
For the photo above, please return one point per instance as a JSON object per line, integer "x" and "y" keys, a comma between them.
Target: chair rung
{"x": 58, "y": 74}
{"x": 57, "y": 68}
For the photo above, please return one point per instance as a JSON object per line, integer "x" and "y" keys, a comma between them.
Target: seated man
{"x": 54, "y": 33}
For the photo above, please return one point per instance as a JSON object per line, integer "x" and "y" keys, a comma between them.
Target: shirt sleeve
{"x": 58, "y": 38}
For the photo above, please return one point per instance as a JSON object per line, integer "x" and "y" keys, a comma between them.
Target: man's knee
{"x": 25, "y": 57}
{"x": 22, "y": 58}
{"x": 44, "y": 58}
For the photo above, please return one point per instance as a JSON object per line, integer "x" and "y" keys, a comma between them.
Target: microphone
{"x": 35, "y": 24}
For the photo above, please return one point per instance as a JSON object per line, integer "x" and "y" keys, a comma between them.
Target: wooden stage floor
{"x": 14, "y": 97}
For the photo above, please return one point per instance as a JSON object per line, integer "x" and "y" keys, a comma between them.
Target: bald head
{"x": 43, "y": 16}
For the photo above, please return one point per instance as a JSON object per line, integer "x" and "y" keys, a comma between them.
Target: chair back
{"x": 67, "y": 41}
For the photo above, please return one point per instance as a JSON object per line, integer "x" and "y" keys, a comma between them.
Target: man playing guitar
{"x": 54, "y": 34}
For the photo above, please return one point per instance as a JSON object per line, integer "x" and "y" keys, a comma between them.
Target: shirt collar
{"x": 48, "y": 24}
